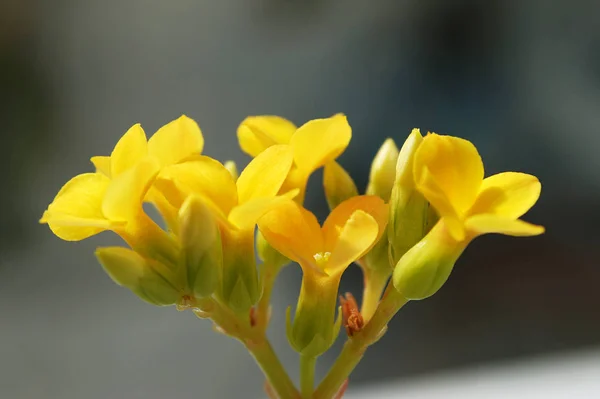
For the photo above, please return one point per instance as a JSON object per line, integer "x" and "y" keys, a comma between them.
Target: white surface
{"x": 573, "y": 375}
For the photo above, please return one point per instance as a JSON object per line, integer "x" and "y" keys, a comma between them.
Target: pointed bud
{"x": 269, "y": 255}
{"x": 423, "y": 270}
{"x": 338, "y": 184}
{"x": 315, "y": 327}
{"x": 201, "y": 246}
{"x": 232, "y": 169}
{"x": 148, "y": 279}
{"x": 409, "y": 211}
{"x": 383, "y": 170}
{"x": 239, "y": 287}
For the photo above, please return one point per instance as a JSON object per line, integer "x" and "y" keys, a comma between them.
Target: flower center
{"x": 322, "y": 258}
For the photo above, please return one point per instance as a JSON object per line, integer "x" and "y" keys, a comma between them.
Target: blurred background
{"x": 521, "y": 79}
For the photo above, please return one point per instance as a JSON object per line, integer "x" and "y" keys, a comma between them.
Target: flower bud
{"x": 423, "y": 270}
{"x": 147, "y": 278}
{"x": 201, "y": 246}
{"x": 239, "y": 287}
{"x": 338, "y": 184}
{"x": 232, "y": 169}
{"x": 269, "y": 255}
{"x": 409, "y": 211}
{"x": 315, "y": 327}
{"x": 383, "y": 170}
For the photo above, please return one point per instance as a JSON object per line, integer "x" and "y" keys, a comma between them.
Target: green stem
{"x": 355, "y": 347}
{"x": 273, "y": 369}
{"x": 375, "y": 282}
{"x": 307, "y": 375}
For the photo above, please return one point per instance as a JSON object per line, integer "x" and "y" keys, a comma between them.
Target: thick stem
{"x": 307, "y": 375}
{"x": 356, "y": 346}
{"x": 375, "y": 282}
{"x": 269, "y": 276}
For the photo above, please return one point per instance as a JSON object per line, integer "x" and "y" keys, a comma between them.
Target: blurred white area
{"x": 574, "y": 375}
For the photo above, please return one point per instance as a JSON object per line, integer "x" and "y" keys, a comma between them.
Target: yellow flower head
{"x": 448, "y": 171}
{"x": 314, "y": 144}
{"x": 349, "y": 232}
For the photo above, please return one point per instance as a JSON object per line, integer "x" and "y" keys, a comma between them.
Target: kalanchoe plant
{"x": 423, "y": 205}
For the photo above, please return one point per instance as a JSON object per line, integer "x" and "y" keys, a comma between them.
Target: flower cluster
{"x": 423, "y": 205}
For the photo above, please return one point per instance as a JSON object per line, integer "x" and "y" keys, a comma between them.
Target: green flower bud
{"x": 148, "y": 279}
{"x": 338, "y": 184}
{"x": 269, "y": 255}
{"x": 410, "y": 214}
{"x": 239, "y": 288}
{"x": 201, "y": 247}
{"x": 315, "y": 327}
{"x": 423, "y": 270}
{"x": 383, "y": 170}
{"x": 232, "y": 168}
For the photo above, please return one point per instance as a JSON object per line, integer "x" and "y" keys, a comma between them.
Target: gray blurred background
{"x": 521, "y": 79}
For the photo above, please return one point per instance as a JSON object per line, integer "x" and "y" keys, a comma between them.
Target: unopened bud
{"x": 423, "y": 270}
{"x": 147, "y": 278}
{"x": 200, "y": 246}
{"x": 409, "y": 210}
{"x": 239, "y": 288}
{"x": 338, "y": 184}
{"x": 383, "y": 170}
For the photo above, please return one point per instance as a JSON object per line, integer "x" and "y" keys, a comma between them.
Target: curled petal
{"x": 508, "y": 194}
{"x": 203, "y": 176}
{"x": 76, "y": 212}
{"x": 450, "y": 168}
{"x": 130, "y": 149}
{"x": 483, "y": 224}
{"x": 320, "y": 141}
{"x": 370, "y": 204}
{"x": 293, "y": 231}
{"x": 355, "y": 238}
{"x": 257, "y": 133}
{"x": 125, "y": 194}
{"x": 176, "y": 141}
{"x": 265, "y": 174}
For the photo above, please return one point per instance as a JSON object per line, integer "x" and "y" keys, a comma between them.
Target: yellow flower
{"x": 236, "y": 205}
{"x": 91, "y": 203}
{"x": 314, "y": 144}
{"x": 175, "y": 142}
{"x": 449, "y": 173}
{"x": 324, "y": 253}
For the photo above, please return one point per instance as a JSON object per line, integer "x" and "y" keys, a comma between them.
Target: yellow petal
{"x": 508, "y": 194}
{"x": 483, "y": 224}
{"x": 449, "y": 167}
{"x": 102, "y": 164}
{"x": 257, "y": 133}
{"x": 293, "y": 231}
{"x": 246, "y": 215}
{"x": 265, "y": 174}
{"x": 203, "y": 176}
{"x": 76, "y": 212}
{"x": 336, "y": 220}
{"x": 125, "y": 194}
{"x": 130, "y": 149}
{"x": 356, "y": 237}
{"x": 438, "y": 199}
{"x": 320, "y": 141}
{"x": 176, "y": 141}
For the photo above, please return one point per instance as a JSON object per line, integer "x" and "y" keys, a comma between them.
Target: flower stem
{"x": 375, "y": 282}
{"x": 269, "y": 276}
{"x": 355, "y": 347}
{"x": 307, "y": 375}
{"x": 273, "y": 369}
